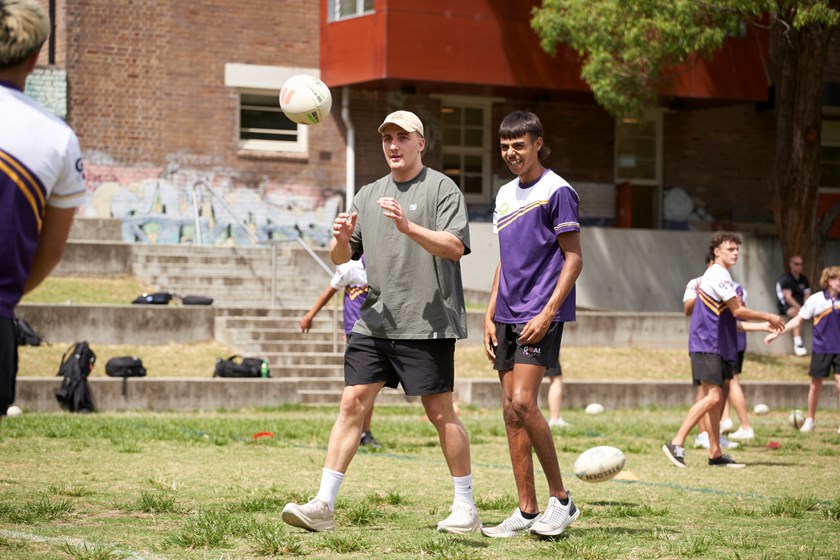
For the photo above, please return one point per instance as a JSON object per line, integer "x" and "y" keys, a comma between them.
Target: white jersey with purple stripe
{"x": 352, "y": 278}
{"x": 528, "y": 219}
{"x": 40, "y": 166}
{"x": 825, "y": 338}
{"x": 712, "y": 328}
{"x": 742, "y": 336}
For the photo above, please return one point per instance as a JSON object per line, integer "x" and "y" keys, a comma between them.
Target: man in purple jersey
{"x": 350, "y": 277}
{"x": 712, "y": 345}
{"x": 41, "y": 181}
{"x": 533, "y": 295}
{"x": 824, "y": 309}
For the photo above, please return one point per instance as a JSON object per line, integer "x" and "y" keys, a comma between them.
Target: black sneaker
{"x": 675, "y": 454}
{"x": 369, "y": 440}
{"x": 726, "y": 461}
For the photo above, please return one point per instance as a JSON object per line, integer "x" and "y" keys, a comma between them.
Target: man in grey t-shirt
{"x": 412, "y": 227}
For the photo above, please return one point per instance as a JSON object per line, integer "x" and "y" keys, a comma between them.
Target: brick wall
{"x": 48, "y": 86}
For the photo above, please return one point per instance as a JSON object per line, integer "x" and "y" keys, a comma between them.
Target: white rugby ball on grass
{"x": 598, "y": 464}
{"x": 14, "y": 410}
{"x": 761, "y": 409}
{"x": 594, "y": 408}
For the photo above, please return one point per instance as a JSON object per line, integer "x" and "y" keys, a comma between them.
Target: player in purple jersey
{"x": 352, "y": 279}
{"x": 712, "y": 345}
{"x": 824, "y": 309}
{"x": 41, "y": 181}
{"x": 533, "y": 294}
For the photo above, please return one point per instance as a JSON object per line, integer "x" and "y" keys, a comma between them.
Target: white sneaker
{"x": 726, "y": 444}
{"x": 808, "y": 426}
{"x": 314, "y": 515}
{"x": 556, "y": 518}
{"x": 742, "y": 433}
{"x": 559, "y": 423}
{"x": 800, "y": 351}
{"x": 726, "y": 425}
{"x": 463, "y": 519}
{"x": 702, "y": 440}
{"x": 510, "y": 527}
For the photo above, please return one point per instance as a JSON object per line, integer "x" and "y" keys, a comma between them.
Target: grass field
{"x": 199, "y": 486}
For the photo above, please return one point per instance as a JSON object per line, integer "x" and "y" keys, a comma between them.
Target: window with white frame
{"x": 830, "y": 155}
{"x": 638, "y": 150}
{"x": 465, "y": 127}
{"x": 344, "y": 9}
{"x": 264, "y": 127}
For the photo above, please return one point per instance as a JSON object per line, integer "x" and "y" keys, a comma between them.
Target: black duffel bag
{"x": 125, "y": 366}
{"x": 249, "y": 367}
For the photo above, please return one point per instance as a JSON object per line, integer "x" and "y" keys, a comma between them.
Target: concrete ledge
{"x": 38, "y": 393}
{"x": 96, "y": 258}
{"x": 120, "y": 324}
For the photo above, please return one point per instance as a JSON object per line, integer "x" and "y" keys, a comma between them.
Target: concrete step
{"x": 333, "y": 396}
{"x": 246, "y": 336}
{"x": 212, "y": 250}
{"x": 283, "y": 370}
{"x": 304, "y": 358}
{"x": 281, "y": 346}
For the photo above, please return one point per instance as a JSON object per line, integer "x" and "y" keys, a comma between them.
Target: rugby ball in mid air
{"x": 305, "y": 99}
{"x": 598, "y": 464}
{"x": 594, "y": 408}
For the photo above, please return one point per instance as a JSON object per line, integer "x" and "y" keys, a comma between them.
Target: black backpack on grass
{"x": 26, "y": 335}
{"x": 74, "y": 395}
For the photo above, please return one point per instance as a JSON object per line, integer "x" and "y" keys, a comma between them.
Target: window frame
{"x": 485, "y": 104}
{"x": 656, "y": 117}
{"x": 333, "y": 7}
{"x": 300, "y": 146}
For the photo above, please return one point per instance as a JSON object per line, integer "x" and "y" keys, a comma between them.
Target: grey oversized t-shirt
{"x": 412, "y": 293}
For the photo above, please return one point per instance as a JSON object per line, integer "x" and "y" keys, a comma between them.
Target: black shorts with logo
{"x": 822, "y": 364}
{"x": 710, "y": 368}
{"x": 422, "y": 367}
{"x": 545, "y": 353}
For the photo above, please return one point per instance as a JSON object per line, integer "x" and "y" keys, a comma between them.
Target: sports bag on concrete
{"x": 26, "y": 335}
{"x": 157, "y": 298}
{"x": 197, "y": 300}
{"x": 249, "y": 367}
{"x": 74, "y": 394}
{"x": 125, "y": 366}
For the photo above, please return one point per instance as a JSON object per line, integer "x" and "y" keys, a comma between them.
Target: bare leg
{"x": 366, "y": 422}
{"x": 814, "y": 396}
{"x": 710, "y": 402}
{"x": 555, "y": 396}
{"x": 454, "y": 441}
{"x": 356, "y": 401}
{"x": 739, "y": 402}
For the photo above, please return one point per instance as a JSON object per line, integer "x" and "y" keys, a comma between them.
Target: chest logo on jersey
{"x": 412, "y": 206}
{"x": 531, "y": 351}
{"x": 504, "y": 208}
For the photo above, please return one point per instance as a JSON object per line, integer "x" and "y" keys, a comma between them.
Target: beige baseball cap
{"x": 406, "y": 120}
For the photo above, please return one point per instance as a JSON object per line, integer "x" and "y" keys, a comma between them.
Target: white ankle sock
{"x": 463, "y": 489}
{"x": 797, "y": 341}
{"x": 330, "y": 483}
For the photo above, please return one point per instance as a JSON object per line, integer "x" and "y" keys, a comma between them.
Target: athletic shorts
{"x": 739, "y": 363}
{"x": 710, "y": 368}
{"x": 8, "y": 363}
{"x": 545, "y": 353}
{"x": 821, "y": 365}
{"x": 422, "y": 367}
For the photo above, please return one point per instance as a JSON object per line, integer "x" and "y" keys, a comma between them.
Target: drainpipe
{"x": 350, "y": 152}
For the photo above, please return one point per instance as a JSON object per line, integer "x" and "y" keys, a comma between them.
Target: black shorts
{"x": 8, "y": 363}
{"x": 711, "y": 368}
{"x": 739, "y": 363}
{"x": 545, "y": 353}
{"x": 423, "y": 367}
{"x": 821, "y": 365}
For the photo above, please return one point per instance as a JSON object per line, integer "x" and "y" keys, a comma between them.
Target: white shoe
{"x": 726, "y": 444}
{"x": 702, "y": 440}
{"x": 559, "y": 423}
{"x": 510, "y": 527}
{"x": 556, "y": 518}
{"x": 463, "y": 519}
{"x": 742, "y": 433}
{"x": 726, "y": 426}
{"x": 808, "y": 426}
{"x": 314, "y": 515}
{"x": 800, "y": 351}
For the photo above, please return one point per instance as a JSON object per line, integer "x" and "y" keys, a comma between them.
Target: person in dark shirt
{"x": 792, "y": 289}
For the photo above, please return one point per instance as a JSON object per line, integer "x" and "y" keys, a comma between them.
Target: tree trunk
{"x": 799, "y": 60}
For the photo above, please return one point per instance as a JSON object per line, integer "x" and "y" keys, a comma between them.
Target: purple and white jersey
{"x": 352, "y": 278}
{"x": 712, "y": 328}
{"x": 40, "y": 166}
{"x": 528, "y": 218}
{"x": 691, "y": 289}
{"x": 742, "y": 336}
{"x": 826, "y": 315}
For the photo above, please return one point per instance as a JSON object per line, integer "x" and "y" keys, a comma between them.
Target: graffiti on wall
{"x": 173, "y": 206}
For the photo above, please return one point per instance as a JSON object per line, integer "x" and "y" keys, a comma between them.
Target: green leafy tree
{"x": 628, "y": 49}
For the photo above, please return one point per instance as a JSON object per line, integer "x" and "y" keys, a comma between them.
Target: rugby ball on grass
{"x": 594, "y": 408}
{"x": 796, "y": 419}
{"x": 598, "y": 464}
{"x": 761, "y": 409}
